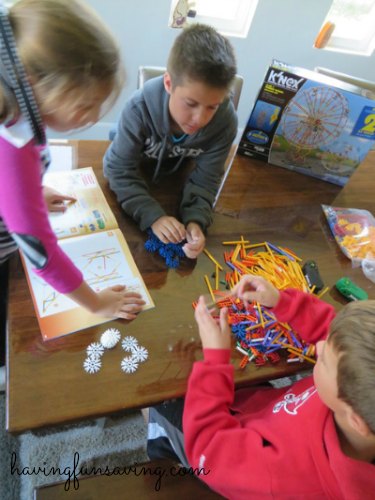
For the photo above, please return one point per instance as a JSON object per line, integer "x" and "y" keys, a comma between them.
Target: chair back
{"x": 368, "y": 87}
{"x": 147, "y": 72}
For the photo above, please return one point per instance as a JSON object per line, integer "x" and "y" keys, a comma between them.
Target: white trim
{"x": 98, "y": 132}
{"x": 364, "y": 47}
{"x": 18, "y": 134}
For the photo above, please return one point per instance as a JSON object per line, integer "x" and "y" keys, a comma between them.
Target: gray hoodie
{"x": 144, "y": 130}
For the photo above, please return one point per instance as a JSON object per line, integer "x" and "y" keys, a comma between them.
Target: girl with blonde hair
{"x": 59, "y": 67}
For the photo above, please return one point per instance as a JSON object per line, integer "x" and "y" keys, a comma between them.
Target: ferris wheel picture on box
{"x": 318, "y": 133}
{"x": 310, "y": 123}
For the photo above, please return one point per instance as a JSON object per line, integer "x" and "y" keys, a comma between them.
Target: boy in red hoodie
{"x": 312, "y": 440}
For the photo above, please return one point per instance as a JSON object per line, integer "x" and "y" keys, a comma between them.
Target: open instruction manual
{"x": 88, "y": 233}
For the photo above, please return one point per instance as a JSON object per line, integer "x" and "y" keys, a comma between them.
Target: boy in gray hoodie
{"x": 184, "y": 113}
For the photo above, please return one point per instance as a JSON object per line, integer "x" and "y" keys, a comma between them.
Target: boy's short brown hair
{"x": 352, "y": 335}
{"x": 201, "y": 54}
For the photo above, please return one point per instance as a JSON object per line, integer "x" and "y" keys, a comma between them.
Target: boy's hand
{"x": 256, "y": 288}
{"x": 195, "y": 241}
{"x": 168, "y": 229}
{"x": 56, "y": 202}
{"x": 213, "y": 335}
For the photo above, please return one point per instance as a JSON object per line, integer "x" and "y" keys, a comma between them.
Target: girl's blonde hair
{"x": 66, "y": 51}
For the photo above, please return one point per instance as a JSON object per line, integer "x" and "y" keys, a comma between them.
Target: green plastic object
{"x": 350, "y": 290}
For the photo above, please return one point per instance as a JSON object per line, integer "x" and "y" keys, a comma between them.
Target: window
{"x": 349, "y": 27}
{"x": 229, "y": 17}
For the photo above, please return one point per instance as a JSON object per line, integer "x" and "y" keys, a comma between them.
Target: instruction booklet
{"x": 88, "y": 233}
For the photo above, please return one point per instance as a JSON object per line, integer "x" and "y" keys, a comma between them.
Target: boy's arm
{"x": 214, "y": 439}
{"x": 306, "y": 313}
{"x": 121, "y": 167}
{"x": 201, "y": 188}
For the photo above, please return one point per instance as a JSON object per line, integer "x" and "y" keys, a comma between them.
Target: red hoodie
{"x": 270, "y": 443}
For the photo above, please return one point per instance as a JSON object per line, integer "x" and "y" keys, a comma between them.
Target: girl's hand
{"x": 116, "y": 302}
{"x": 213, "y": 335}
{"x": 256, "y": 288}
{"x": 56, "y": 202}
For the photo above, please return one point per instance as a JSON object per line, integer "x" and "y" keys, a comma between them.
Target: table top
{"x": 46, "y": 381}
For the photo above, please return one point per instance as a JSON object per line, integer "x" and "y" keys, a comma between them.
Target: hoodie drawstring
{"x": 160, "y": 159}
{"x": 157, "y": 175}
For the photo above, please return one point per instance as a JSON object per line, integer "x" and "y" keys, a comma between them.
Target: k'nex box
{"x": 310, "y": 123}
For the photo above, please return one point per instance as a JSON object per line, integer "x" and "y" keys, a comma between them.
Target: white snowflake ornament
{"x": 110, "y": 338}
{"x": 95, "y": 349}
{"x": 139, "y": 353}
{"x": 129, "y": 343}
{"x": 129, "y": 365}
{"x": 92, "y": 364}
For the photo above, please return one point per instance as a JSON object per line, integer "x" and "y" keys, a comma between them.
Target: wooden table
{"x": 273, "y": 204}
{"x": 46, "y": 381}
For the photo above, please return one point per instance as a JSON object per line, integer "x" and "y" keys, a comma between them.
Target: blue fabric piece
{"x": 171, "y": 252}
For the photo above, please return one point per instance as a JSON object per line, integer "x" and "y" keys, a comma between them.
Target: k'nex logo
{"x": 281, "y": 79}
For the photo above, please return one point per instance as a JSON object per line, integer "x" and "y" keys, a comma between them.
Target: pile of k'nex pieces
{"x": 259, "y": 335}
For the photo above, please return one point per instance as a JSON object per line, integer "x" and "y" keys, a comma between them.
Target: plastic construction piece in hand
{"x": 110, "y": 338}
{"x": 257, "y": 332}
{"x": 221, "y": 299}
{"x": 129, "y": 343}
{"x": 129, "y": 365}
{"x": 92, "y": 364}
{"x": 171, "y": 252}
{"x": 95, "y": 349}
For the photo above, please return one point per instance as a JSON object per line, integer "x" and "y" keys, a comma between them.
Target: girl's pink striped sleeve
{"x": 23, "y": 210}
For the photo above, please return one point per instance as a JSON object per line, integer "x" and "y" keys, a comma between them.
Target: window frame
{"x": 238, "y": 27}
{"x": 365, "y": 46}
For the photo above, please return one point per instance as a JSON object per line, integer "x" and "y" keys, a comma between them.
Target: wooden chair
{"x": 367, "y": 87}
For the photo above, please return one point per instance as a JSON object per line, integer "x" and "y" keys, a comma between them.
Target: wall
{"x": 281, "y": 29}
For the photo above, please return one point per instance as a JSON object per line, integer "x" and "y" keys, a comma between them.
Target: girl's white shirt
{"x": 18, "y": 134}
